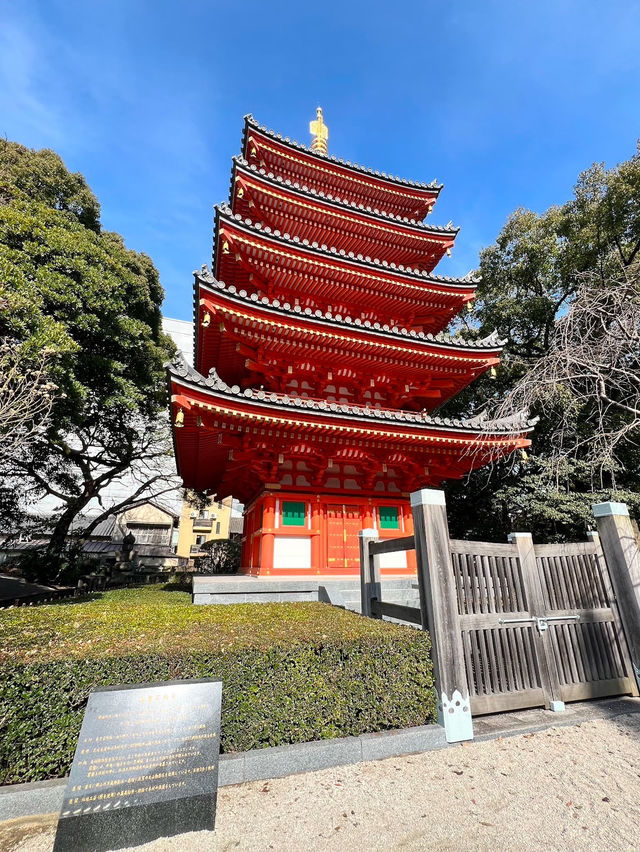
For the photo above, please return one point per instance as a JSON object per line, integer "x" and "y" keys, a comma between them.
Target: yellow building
{"x": 198, "y": 526}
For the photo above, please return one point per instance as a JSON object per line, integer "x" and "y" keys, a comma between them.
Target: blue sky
{"x": 504, "y": 102}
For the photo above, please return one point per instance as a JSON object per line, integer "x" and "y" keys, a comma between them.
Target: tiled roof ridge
{"x": 408, "y": 271}
{"x": 433, "y": 186}
{"x": 182, "y": 370}
{"x": 448, "y": 229}
{"x": 490, "y": 342}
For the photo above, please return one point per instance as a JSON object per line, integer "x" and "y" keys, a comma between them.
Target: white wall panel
{"x": 292, "y": 551}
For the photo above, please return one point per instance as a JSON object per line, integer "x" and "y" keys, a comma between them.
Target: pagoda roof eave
{"x": 326, "y": 198}
{"x": 434, "y": 188}
{"x": 224, "y": 212}
{"x": 490, "y": 345}
{"x": 183, "y": 374}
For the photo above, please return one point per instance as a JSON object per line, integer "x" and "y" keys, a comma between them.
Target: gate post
{"x": 439, "y": 611}
{"x": 369, "y": 572}
{"x": 622, "y": 556}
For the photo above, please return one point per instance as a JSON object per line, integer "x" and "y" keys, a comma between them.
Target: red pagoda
{"x": 318, "y": 355}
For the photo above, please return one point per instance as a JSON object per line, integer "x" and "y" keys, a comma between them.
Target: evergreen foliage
{"x": 291, "y": 672}
{"x": 531, "y": 276}
{"x": 75, "y": 291}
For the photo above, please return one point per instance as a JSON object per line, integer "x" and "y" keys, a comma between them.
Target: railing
{"x": 372, "y": 604}
{"x": 196, "y": 550}
{"x": 202, "y": 523}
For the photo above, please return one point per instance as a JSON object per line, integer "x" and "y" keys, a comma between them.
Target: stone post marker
{"x": 439, "y": 609}
{"x": 369, "y": 572}
{"x": 621, "y": 553}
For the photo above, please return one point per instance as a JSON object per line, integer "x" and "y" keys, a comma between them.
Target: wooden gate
{"x": 539, "y": 624}
{"x": 517, "y": 625}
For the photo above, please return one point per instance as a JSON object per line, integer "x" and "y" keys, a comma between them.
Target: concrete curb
{"x": 40, "y": 797}
{"x": 43, "y": 797}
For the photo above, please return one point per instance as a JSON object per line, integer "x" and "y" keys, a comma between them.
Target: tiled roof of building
{"x": 517, "y": 424}
{"x": 250, "y": 121}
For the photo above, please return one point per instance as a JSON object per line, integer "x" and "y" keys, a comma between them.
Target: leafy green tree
{"x": 75, "y": 291}
{"x": 221, "y": 556}
{"x": 542, "y": 269}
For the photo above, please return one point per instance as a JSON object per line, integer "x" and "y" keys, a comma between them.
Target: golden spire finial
{"x": 320, "y": 133}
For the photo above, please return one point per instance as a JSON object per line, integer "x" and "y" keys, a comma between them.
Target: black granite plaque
{"x": 146, "y": 766}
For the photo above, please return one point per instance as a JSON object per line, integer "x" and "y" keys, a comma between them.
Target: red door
{"x": 352, "y": 526}
{"x": 335, "y": 537}
{"x": 343, "y": 550}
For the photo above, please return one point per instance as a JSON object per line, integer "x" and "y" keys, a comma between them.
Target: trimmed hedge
{"x": 291, "y": 672}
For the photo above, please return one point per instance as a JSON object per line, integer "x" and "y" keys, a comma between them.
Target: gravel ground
{"x": 563, "y": 788}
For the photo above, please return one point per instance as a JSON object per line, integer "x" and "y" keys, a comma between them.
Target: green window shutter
{"x": 388, "y": 517}
{"x": 293, "y": 514}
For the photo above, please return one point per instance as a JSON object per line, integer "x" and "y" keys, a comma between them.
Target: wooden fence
{"x": 517, "y": 625}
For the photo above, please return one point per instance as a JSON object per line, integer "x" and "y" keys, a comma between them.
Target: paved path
{"x": 568, "y": 788}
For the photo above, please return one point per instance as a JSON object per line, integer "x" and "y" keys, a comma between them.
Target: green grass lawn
{"x": 291, "y": 672}
{"x": 157, "y": 619}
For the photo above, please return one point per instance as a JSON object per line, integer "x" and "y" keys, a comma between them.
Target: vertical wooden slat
{"x": 606, "y": 649}
{"x": 562, "y": 599}
{"x": 494, "y": 605}
{"x": 547, "y": 585}
{"x": 511, "y": 658}
{"x": 585, "y": 599}
{"x": 519, "y": 601}
{"x": 575, "y": 655}
{"x": 473, "y": 575}
{"x": 560, "y": 653}
{"x": 594, "y": 637}
{"x": 466, "y": 583}
{"x": 569, "y": 579}
{"x": 468, "y": 658}
{"x": 585, "y": 654}
{"x": 457, "y": 571}
{"x": 614, "y": 645}
{"x": 502, "y": 674}
{"x": 493, "y": 663}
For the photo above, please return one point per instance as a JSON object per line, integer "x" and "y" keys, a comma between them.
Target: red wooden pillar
{"x": 245, "y": 558}
{"x": 316, "y": 536}
{"x": 407, "y": 515}
{"x": 268, "y": 525}
{"x": 367, "y": 516}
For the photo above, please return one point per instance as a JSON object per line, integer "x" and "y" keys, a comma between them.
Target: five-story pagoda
{"x": 318, "y": 355}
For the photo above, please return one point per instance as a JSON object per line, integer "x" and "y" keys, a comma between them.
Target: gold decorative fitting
{"x": 240, "y": 193}
{"x": 448, "y": 252}
{"x": 206, "y": 320}
{"x": 225, "y": 247}
{"x": 319, "y": 133}
{"x": 253, "y": 152}
{"x": 470, "y": 306}
{"x": 199, "y": 421}
{"x": 492, "y": 373}
{"x": 179, "y": 421}
{"x": 525, "y": 456}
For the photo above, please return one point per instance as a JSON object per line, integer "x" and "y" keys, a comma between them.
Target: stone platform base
{"x": 333, "y": 589}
